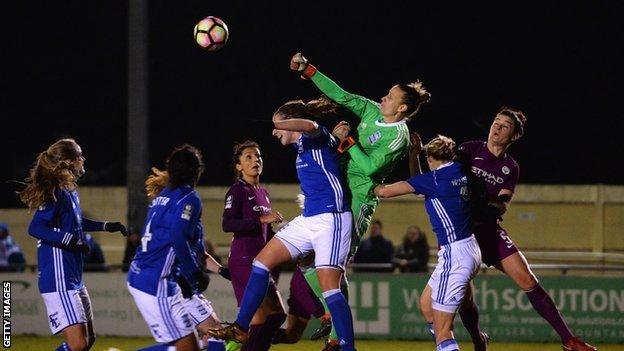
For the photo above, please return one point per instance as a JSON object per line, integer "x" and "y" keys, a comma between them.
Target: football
{"x": 211, "y": 33}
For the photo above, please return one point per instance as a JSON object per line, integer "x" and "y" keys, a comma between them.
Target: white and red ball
{"x": 211, "y": 33}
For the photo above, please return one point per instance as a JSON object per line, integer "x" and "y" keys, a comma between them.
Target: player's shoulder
{"x": 471, "y": 145}
{"x": 511, "y": 162}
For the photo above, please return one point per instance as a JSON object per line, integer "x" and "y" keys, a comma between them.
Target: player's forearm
{"x": 89, "y": 225}
{"x": 232, "y": 225}
{"x": 297, "y": 125}
{"x": 39, "y": 229}
{"x": 414, "y": 164}
{"x": 393, "y": 190}
{"x": 211, "y": 264}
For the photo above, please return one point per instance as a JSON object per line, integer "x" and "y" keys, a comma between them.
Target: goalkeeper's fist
{"x": 298, "y": 63}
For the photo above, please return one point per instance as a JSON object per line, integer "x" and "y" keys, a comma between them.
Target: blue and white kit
{"x": 446, "y": 202}
{"x": 325, "y": 225}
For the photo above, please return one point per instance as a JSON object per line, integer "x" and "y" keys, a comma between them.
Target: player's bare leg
{"x": 517, "y": 268}
{"x": 443, "y": 326}
{"x": 187, "y": 343}
{"x": 426, "y": 309}
{"x": 76, "y": 337}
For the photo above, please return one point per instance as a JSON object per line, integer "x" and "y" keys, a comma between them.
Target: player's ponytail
{"x": 414, "y": 96}
{"x": 52, "y": 169}
{"x": 156, "y": 182}
{"x": 321, "y": 108}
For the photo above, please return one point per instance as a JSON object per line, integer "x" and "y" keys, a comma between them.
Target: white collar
{"x": 444, "y": 165}
{"x": 393, "y": 124}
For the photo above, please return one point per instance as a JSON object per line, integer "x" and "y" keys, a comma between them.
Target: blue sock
{"x": 159, "y": 347}
{"x": 341, "y": 318}
{"x": 63, "y": 347}
{"x": 255, "y": 291}
{"x": 216, "y": 345}
{"x": 448, "y": 345}
{"x": 431, "y": 331}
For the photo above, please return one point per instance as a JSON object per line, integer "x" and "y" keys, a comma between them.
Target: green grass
{"x": 124, "y": 344}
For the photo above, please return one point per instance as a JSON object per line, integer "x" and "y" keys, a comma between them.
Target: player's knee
{"x": 527, "y": 281}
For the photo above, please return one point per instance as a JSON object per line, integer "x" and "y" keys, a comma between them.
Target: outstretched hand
{"x": 116, "y": 227}
{"x": 341, "y": 130}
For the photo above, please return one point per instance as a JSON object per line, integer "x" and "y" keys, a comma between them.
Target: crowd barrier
{"x": 384, "y": 306}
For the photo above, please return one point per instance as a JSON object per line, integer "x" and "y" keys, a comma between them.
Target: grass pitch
{"x": 107, "y": 343}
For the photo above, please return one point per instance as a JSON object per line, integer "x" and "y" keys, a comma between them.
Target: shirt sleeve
{"x": 512, "y": 180}
{"x": 321, "y": 139}
{"x": 232, "y": 220}
{"x": 42, "y": 226}
{"x": 423, "y": 184}
{"x": 379, "y": 158}
{"x": 361, "y": 106}
{"x": 89, "y": 225}
{"x": 183, "y": 226}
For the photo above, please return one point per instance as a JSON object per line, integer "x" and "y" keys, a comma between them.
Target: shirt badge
{"x": 374, "y": 137}
{"x": 228, "y": 202}
{"x": 506, "y": 170}
{"x": 186, "y": 213}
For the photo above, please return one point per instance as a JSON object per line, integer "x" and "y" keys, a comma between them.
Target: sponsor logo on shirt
{"x": 260, "y": 208}
{"x": 186, "y": 213}
{"x": 228, "y": 202}
{"x": 488, "y": 177}
{"x": 374, "y": 137}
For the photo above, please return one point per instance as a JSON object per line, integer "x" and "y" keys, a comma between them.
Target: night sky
{"x": 65, "y": 75}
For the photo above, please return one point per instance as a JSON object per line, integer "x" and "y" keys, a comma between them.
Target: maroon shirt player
{"x": 496, "y": 174}
{"x": 248, "y": 215}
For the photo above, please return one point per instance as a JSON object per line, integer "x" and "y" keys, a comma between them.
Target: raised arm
{"x": 413, "y": 154}
{"x": 297, "y": 125}
{"x": 361, "y": 106}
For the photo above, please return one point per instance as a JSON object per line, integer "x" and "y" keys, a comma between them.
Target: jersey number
{"x": 147, "y": 236}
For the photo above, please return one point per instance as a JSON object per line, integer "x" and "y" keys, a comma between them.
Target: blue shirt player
{"x": 446, "y": 200}
{"x": 169, "y": 232}
{"x": 60, "y": 229}
{"x": 324, "y": 227}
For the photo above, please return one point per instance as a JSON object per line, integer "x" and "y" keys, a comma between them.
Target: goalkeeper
{"x": 382, "y": 141}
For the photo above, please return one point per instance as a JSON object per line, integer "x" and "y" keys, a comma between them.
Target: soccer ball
{"x": 211, "y": 33}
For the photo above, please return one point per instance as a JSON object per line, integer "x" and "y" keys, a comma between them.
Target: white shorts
{"x": 458, "y": 263}
{"x": 67, "y": 308}
{"x": 328, "y": 234}
{"x": 165, "y": 316}
{"x": 198, "y": 308}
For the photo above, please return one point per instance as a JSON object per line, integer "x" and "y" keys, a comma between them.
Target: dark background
{"x": 559, "y": 61}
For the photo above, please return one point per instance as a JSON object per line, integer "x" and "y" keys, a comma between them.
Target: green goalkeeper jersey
{"x": 379, "y": 148}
